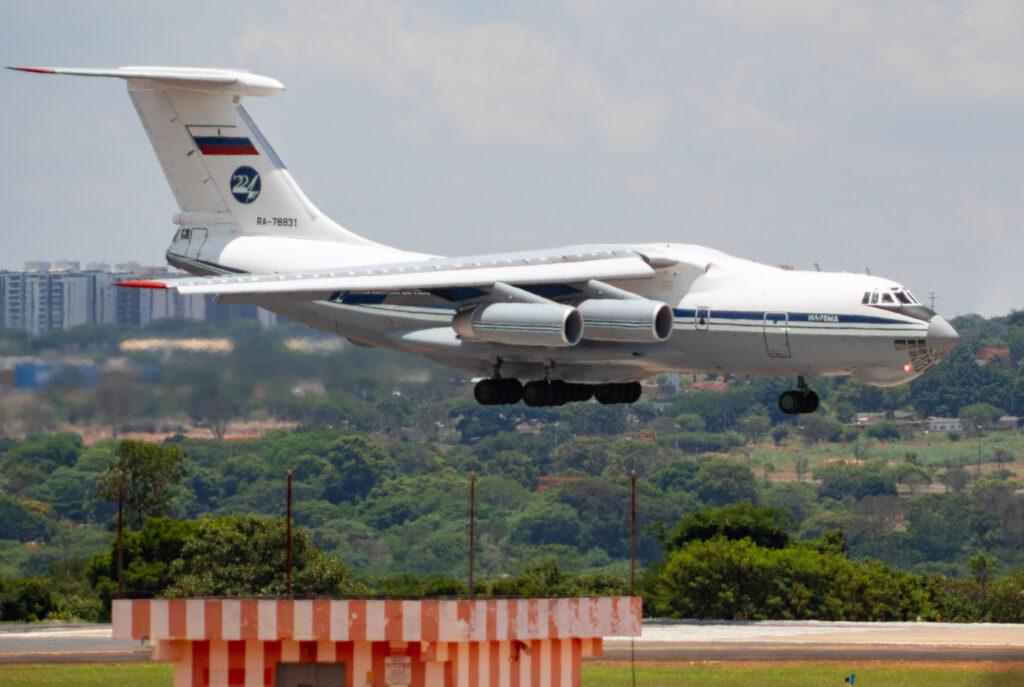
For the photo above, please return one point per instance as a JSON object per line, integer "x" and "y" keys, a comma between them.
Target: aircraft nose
{"x": 941, "y": 335}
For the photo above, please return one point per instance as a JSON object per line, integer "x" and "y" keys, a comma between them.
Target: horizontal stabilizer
{"x": 222, "y": 81}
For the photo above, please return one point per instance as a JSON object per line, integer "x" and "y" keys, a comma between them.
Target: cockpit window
{"x": 896, "y": 295}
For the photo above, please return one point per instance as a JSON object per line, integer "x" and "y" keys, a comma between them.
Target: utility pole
{"x": 632, "y": 533}
{"x": 288, "y": 540}
{"x": 977, "y": 427}
{"x": 120, "y": 533}
{"x": 472, "y": 526}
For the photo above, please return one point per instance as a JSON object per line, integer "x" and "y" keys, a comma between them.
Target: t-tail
{"x": 225, "y": 176}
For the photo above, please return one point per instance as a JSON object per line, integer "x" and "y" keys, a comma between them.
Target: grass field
{"x": 600, "y": 674}
{"x": 933, "y": 452}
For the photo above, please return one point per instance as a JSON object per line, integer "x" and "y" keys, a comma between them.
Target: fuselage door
{"x": 776, "y": 334}
{"x": 196, "y": 239}
{"x": 702, "y": 318}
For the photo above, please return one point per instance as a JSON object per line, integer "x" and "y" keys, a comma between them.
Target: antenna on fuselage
{"x": 867, "y": 270}
{"x": 817, "y": 267}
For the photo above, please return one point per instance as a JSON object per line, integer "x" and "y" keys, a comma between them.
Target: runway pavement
{"x": 66, "y": 644}
{"x": 661, "y": 640}
{"x": 820, "y": 641}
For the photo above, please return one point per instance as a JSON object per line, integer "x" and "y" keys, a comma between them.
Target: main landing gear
{"x": 801, "y": 400}
{"x": 501, "y": 391}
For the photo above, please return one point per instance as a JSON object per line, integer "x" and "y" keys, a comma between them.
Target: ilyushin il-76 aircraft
{"x": 546, "y": 327}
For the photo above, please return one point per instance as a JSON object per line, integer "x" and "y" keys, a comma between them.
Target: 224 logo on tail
{"x": 245, "y": 185}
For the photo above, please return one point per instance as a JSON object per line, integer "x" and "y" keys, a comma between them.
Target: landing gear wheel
{"x": 608, "y": 393}
{"x": 632, "y": 392}
{"x": 511, "y": 391}
{"x": 580, "y": 392}
{"x": 493, "y": 392}
{"x": 791, "y": 402}
{"x": 559, "y": 393}
{"x": 487, "y": 392}
{"x": 536, "y": 393}
{"x": 810, "y": 402}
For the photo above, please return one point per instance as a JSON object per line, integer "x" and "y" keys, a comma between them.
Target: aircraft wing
{"x": 574, "y": 264}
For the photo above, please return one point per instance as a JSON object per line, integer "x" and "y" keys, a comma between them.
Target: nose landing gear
{"x": 801, "y": 400}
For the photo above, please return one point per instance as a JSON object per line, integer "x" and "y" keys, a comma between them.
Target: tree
{"x": 546, "y": 522}
{"x": 779, "y": 434}
{"x": 721, "y": 481}
{"x": 146, "y": 474}
{"x": 358, "y": 464}
{"x": 588, "y": 455}
{"x": 815, "y": 428}
{"x": 244, "y": 555}
{"x": 754, "y": 427}
{"x": 980, "y": 414}
{"x": 764, "y": 525}
{"x": 800, "y": 466}
{"x": 886, "y": 430}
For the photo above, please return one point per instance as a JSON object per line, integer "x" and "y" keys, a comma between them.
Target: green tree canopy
{"x": 244, "y": 555}
{"x": 147, "y": 474}
{"x": 721, "y": 481}
{"x": 764, "y": 525}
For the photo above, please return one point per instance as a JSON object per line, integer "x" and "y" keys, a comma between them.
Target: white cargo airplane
{"x": 546, "y": 326}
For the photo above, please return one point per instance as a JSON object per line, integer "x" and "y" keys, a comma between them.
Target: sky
{"x": 851, "y": 135}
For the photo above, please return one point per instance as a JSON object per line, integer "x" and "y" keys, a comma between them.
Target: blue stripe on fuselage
{"x": 753, "y": 316}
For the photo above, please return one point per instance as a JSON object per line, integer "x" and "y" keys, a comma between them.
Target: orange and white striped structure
{"x": 451, "y": 643}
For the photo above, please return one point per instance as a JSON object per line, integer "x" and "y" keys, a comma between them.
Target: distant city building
{"x": 60, "y": 295}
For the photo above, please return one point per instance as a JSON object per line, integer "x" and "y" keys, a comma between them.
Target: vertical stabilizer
{"x": 221, "y": 169}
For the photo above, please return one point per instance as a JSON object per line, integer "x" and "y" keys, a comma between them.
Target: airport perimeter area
{"x": 660, "y": 641}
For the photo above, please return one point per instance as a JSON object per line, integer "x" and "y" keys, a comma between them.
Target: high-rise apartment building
{"x": 61, "y": 295}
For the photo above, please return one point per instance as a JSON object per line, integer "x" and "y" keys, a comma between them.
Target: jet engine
{"x": 637, "y": 321}
{"x": 523, "y": 324}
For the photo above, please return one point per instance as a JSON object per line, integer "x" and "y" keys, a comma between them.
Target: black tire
{"x": 791, "y": 402}
{"x": 511, "y": 391}
{"x": 633, "y": 392}
{"x": 536, "y": 393}
{"x": 608, "y": 393}
{"x": 584, "y": 392}
{"x": 487, "y": 392}
{"x": 810, "y": 402}
{"x": 559, "y": 393}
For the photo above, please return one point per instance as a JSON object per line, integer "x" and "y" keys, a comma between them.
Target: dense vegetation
{"x": 932, "y": 525}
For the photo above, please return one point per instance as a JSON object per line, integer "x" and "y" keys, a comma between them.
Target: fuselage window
{"x": 867, "y": 298}
{"x": 902, "y": 297}
{"x": 874, "y": 298}
{"x": 886, "y": 298}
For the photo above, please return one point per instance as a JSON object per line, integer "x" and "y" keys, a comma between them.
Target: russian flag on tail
{"x": 217, "y": 140}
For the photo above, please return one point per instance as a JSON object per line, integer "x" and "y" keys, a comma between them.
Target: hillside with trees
{"x": 916, "y": 521}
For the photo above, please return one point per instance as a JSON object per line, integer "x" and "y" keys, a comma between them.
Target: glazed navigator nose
{"x": 941, "y": 335}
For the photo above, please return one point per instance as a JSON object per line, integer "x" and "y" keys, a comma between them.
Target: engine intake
{"x": 638, "y": 321}
{"x": 523, "y": 324}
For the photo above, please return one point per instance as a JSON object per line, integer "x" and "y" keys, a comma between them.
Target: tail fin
{"x": 221, "y": 169}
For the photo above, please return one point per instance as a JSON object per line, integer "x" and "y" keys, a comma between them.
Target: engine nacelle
{"x": 637, "y": 321}
{"x": 523, "y": 324}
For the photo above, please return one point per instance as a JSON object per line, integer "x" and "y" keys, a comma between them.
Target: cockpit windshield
{"x": 890, "y": 296}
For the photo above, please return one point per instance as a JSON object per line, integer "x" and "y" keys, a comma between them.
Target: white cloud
{"x": 497, "y": 82}
{"x": 942, "y": 52}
